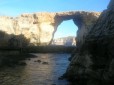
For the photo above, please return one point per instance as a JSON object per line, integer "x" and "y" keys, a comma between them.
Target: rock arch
{"x": 39, "y": 28}
{"x": 83, "y": 20}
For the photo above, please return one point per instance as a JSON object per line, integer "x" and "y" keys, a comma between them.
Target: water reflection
{"x": 41, "y": 70}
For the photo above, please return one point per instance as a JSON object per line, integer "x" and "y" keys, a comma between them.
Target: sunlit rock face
{"x": 93, "y": 61}
{"x": 66, "y": 41}
{"x": 39, "y": 28}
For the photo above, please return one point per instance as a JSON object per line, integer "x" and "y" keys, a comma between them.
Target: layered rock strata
{"x": 94, "y": 59}
{"x": 39, "y": 28}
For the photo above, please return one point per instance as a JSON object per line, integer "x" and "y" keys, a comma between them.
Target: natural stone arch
{"x": 66, "y": 24}
{"x": 83, "y": 20}
{"x": 39, "y": 28}
{"x": 65, "y": 34}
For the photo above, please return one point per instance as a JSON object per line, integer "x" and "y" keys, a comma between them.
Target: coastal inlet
{"x": 44, "y": 69}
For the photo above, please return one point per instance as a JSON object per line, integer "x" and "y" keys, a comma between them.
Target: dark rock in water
{"x": 39, "y": 61}
{"x": 46, "y": 63}
{"x": 94, "y": 58}
{"x": 62, "y": 77}
{"x": 14, "y": 60}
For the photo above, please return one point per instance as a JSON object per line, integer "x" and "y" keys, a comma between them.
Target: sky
{"x": 17, "y": 7}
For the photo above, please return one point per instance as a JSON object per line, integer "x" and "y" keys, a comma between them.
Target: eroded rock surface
{"x": 93, "y": 61}
{"x": 39, "y": 28}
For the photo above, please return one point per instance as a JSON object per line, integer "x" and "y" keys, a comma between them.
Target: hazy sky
{"x": 17, "y": 7}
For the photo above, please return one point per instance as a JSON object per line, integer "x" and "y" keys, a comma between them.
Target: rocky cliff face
{"x": 39, "y": 28}
{"x": 66, "y": 41}
{"x": 93, "y": 61}
{"x": 83, "y": 20}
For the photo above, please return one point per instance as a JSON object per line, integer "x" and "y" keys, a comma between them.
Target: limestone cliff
{"x": 93, "y": 62}
{"x": 66, "y": 41}
{"x": 39, "y": 28}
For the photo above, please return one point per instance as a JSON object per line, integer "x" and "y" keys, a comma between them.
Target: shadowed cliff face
{"x": 94, "y": 59}
{"x": 39, "y": 28}
{"x": 13, "y": 41}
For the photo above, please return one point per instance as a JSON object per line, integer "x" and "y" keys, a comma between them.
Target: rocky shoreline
{"x": 14, "y": 59}
{"x": 92, "y": 62}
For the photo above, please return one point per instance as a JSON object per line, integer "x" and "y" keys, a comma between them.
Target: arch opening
{"x": 66, "y": 34}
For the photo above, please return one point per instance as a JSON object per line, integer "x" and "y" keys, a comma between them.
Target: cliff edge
{"x": 93, "y": 62}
